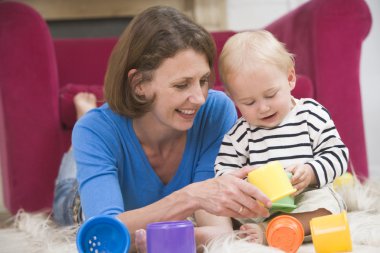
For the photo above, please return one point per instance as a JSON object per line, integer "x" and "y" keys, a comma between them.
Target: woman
{"x": 148, "y": 154}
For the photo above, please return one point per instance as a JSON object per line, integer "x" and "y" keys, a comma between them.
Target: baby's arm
{"x": 330, "y": 153}
{"x": 232, "y": 156}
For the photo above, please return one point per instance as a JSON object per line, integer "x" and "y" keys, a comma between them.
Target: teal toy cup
{"x": 104, "y": 234}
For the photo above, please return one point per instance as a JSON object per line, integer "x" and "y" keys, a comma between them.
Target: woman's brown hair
{"x": 154, "y": 35}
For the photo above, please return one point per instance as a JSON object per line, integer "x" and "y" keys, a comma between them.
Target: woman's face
{"x": 181, "y": 86}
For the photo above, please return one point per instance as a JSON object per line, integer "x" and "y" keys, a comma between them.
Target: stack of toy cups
{"x": 171, "y": 237}
{"x": 285, "y": 232}
{"x": 285, "y": 204}
{"x": 331, "y": 233}
{"x": 103, "y": 234}
{"x": 272, "y": 180}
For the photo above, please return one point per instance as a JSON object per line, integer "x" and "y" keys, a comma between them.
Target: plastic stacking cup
{"x": 104, "y": 234}
{"x": 345, "y": 180}
{"x": 286, "y": 233}
{"x": 171, "y": 237}
{"x": 272, "y": 180}
{"x": 331, "y": 233}
{"x": 285, "y": 204}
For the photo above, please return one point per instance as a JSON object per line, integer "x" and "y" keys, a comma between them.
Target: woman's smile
{"x": 187, "y": 114}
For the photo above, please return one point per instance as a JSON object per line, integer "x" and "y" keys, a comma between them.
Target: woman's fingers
{"x": 254, "y": 192}
{"x": 250, "y": 189}
{"x": 230, "y": 195}
{"x": 246, "y": 196}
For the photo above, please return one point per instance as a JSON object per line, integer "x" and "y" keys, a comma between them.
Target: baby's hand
{"x": 303, "y": 176}
{"x": 140, "y": 241}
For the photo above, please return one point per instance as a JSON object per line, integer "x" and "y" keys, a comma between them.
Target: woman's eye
{"x": 181, "y": 86}
{"x": 204, "y": 81}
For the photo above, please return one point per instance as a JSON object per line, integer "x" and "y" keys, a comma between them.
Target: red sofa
{"x": 39, "y": 76}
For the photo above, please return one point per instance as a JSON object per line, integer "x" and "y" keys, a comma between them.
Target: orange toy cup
{"x": 272, "y": 180}
{"x": 331, "y": 233}
{"x": 286, "y": 233}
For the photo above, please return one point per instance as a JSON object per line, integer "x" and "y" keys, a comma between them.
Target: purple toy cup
{"x": 171, "y": 237}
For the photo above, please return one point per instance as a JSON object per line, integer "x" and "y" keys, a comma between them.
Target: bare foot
{"x": 84, "y": 102}
{"x": 253, "y": 232}
{"x": 140, "y": 241}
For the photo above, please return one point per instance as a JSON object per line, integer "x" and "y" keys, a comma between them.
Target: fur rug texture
{"x": 36, "y": 233}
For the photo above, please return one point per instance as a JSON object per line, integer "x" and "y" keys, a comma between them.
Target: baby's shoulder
{"x": 241, "y": 126}
{"x": 313, "y": 107}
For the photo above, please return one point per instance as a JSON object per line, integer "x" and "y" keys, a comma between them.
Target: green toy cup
{"x": 285, "y": 204}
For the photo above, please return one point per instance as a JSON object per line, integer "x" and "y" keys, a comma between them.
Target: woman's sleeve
{"x": 96, "y": 150}
{"x": 218, "y": 118}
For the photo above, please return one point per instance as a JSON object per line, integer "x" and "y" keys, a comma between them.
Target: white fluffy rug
{"x": 36, "y": 233}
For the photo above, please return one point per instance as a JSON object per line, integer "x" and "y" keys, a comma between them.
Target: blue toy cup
{"x": 171, "y": 237}
{"x": 104, "y": 234}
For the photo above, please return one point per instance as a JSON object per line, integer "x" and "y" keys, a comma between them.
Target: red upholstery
{"x": 66, "y": 106}
{"x": 325, "y": 35}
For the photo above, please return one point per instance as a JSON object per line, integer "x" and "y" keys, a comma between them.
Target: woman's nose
{"x": 197, "y": 96}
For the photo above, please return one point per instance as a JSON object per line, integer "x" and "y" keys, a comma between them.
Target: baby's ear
{"x": 292, "y": 78}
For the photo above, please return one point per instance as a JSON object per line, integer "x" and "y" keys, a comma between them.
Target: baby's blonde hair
{"x": 247, "y": 50}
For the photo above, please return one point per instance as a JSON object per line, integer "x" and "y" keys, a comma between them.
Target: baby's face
{"x": 263, "y": 94}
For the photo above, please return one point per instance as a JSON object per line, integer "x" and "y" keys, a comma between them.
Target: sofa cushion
{"x": 66, "y": 104}
{"x": 304, "y": 87}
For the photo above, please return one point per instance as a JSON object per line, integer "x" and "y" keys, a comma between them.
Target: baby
{"x": 259, "y": 75}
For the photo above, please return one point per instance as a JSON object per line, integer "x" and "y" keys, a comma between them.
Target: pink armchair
{"x": 39, "y": 76}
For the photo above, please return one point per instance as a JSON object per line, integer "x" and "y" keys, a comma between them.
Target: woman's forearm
{"x": 177, "y": 206}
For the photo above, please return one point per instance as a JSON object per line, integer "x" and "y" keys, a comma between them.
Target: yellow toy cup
{"x": 272, "y": 180}
{"x": 345, "y": 180}
{"x": 331, "y": 233}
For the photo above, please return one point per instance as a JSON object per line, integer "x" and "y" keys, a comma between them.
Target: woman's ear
{"x": 292, "y": 78}
{"x": 135, "y": 81}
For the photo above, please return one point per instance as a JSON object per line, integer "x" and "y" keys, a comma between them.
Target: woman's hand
{"x": 230, "y": 195}
{"x": 303, "y": 176}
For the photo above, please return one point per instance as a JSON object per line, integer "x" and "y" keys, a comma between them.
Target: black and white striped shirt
{"x": 306, "y": 135}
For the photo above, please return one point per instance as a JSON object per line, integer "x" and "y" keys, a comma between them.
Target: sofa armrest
{"x": 29, "y": 119}
{"x": 326, "y": 36}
